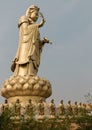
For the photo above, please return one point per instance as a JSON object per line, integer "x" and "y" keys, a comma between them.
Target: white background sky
{"x": 67, "y": 63}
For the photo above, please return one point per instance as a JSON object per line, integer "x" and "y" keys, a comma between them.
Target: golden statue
{"x": 84, "y": 109}
{"x": 75, "y": 108}
{"x": 41, "y": 107}
{"x": 52, "y": 108}
{"x": 17, "y": 108}
{"x": 27, "y": 59}
{"x": 5, "y": 106}
{"x": 29, "y": 108}
{"x": 61, "y": 108}
{"x": 69, "y": 108}
{"x": 80, "y": 110}
{"x": 25, "y": 81}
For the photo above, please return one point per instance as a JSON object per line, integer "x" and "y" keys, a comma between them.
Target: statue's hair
{"x": 31, "y": 9}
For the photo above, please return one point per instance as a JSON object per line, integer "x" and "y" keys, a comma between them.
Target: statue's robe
{"x": 27, "y": 58}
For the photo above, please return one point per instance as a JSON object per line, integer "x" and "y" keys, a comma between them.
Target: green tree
{"x": 5, "y": 121}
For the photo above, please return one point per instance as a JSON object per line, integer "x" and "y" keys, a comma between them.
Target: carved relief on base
{"x": 26, "y": 86}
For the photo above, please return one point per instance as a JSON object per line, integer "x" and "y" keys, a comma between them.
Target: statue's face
{"x": 34, "y": 15}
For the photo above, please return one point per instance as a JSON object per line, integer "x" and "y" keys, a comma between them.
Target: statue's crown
{"x": 34, "y": 7}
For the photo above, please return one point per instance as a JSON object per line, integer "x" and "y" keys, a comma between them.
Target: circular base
{"x": 25, "y": 99}
{"x": 26, "y": 86}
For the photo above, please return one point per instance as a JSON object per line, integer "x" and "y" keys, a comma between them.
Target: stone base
{"x": 26, "y": 87}
{"x": 25, "y": 99}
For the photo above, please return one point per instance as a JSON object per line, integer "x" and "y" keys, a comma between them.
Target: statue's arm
{"x": 42, "y": 20}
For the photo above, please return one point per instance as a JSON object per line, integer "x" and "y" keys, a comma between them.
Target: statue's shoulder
{"x": 23, "y": 19}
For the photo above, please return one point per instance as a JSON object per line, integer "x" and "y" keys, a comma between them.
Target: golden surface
{"x": 25, "y": 84}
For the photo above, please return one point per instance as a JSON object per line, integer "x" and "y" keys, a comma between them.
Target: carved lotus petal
{"x": 37, "y": 87}
{"x": 15, "y": 87}
{"x": 12, "y": 82}
{"x": 3, "y": 90}
{"x": 19, "y": 86}
{"x": 45, "y": 88}
{"x": 36, "y": 78}
{"x": 32, "y": 81}
{"x": 4, "y": 86}
{"x": 41, "y": 82}
{"x": 25, "y": 86}
{"x": 6, "y": 82}
{"x": 48, "y": 84}
{"x": 9, "y": 87}
{"x": 31, "y": 87}
{"x": 17, "y": 77}
{"x": 26, "y": 78}
{"x": 21, "y": 81}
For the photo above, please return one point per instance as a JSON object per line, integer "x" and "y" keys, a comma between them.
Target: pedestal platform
{"x": 25, "y": 88}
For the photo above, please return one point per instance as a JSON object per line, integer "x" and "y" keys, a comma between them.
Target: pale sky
{"x": 67, "y": 63}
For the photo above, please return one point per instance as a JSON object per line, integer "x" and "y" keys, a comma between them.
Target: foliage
{"x": 84, "y": 119}
{"x": 85, "y": 123}
{"x": 5, "y": 122}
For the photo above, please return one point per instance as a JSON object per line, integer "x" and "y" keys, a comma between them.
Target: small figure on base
{"x": 52, "y": 109}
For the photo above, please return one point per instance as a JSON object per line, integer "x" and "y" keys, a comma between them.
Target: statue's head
{"x": 6, "y": 101}
{"x": 69, "y": 102}
{"x": 52, "y": 101}
{"x": 41, "y": 100}
{"x": 17, "y": 101}
{"x": 29, "y": 100}
{"x": 75, "y": 102}
{"x": 33, "y": 12}
{"x": 80, "y": 103}
{"x": 84, "y": 105}
{"x": 61, "y": 101}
